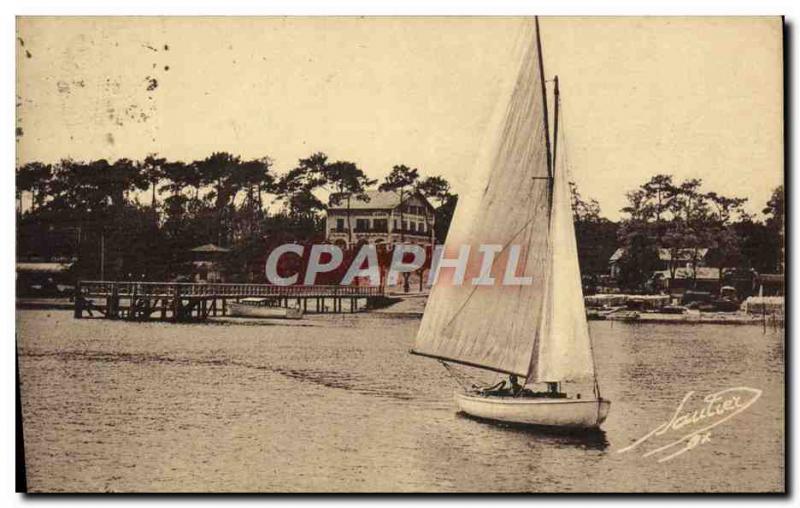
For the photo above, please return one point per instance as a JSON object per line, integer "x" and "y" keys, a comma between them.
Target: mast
{"x": 553, "y": 386}
{"x": 544, "y": 100}
{"x": 555, "y": 120}
{"x": 551, "y": 162}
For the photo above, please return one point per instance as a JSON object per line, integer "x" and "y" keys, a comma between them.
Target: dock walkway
{"x": 181, "y": 301}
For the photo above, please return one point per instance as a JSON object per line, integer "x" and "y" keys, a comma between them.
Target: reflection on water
{"x": 339, "y": 405}
{"x": 593, "y": 439}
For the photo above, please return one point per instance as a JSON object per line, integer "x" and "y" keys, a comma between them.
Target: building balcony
{"x": 360, "y": 230}
{"x": 399, "y": 231}
{"x": 369, "y": 233}
{"x": 370, "y": 230}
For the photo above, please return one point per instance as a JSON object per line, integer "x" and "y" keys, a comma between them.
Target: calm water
{"x": 337, "y": 404}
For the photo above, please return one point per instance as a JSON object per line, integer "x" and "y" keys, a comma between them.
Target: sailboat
{"x": 535, "y": 331}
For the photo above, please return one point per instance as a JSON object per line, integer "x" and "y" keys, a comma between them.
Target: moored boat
{"x": 263, "y": 308}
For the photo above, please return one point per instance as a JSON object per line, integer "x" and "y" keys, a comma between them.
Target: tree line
{"x": 685, "y": 220}
{"x": 142, "y": 218}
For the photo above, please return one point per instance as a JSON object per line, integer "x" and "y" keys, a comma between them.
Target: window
{"x": 380, "y": 225}
{"x": 339, "y": 224}
{"x": 362, "y": 224}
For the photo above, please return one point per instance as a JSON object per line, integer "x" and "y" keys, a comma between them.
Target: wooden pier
{"x": 186, "y": 302}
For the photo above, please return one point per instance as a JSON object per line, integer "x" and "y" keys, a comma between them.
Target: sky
{"x": 693, "y": 97}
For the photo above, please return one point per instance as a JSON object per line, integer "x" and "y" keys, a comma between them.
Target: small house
{"x": 687, "y": 278}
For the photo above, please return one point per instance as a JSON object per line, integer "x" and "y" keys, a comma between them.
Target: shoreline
{"x": 412, "y": 308}
{"x": 715, "y": 318}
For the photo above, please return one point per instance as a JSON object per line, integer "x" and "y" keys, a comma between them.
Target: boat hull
{"x": 571, "y": 413}
{"x": 240, "y": 310}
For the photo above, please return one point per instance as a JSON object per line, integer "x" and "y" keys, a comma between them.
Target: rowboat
{"x": 263, "y": 308}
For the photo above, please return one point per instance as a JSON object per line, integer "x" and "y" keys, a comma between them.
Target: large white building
{"x": 380, "y": 219}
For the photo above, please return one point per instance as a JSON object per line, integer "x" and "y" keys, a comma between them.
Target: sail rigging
{"x": 538, "y": 331}
{"x": 494, "y": 326}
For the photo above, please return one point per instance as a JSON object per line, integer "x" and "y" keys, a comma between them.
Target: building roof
{"x": 210, "y": 247}
{"x": 43, "y": 267}
{"x": 377, "y": 200}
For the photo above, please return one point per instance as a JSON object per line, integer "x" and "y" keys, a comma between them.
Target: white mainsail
{"x": 537, "y": 331}
{"x": 495, "y": 326}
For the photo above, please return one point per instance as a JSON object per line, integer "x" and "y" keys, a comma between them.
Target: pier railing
{"x": 186, "y": 301}
{"x": 227, "y": 290}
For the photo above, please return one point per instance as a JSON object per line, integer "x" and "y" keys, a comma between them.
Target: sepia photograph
{"x": 400, "y": 254}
